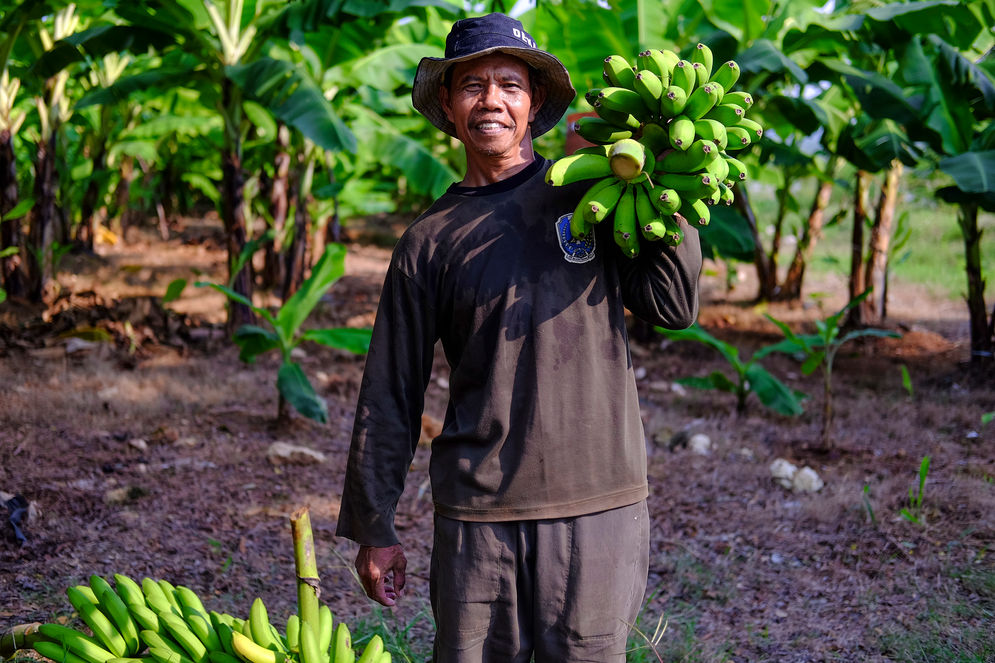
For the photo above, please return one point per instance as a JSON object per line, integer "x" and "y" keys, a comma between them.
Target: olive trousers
{"x": 562, "y": 590}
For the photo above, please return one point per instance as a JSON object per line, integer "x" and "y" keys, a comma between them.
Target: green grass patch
{"x": 955, "y": 626}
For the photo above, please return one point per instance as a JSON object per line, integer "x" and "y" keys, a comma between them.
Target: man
{"x": 539, "y": 475}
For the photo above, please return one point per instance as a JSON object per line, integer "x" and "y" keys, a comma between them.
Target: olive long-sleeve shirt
{"x": 543, "y": 416}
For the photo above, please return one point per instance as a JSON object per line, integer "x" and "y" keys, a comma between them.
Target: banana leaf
{"x": 253, "y": 341}
{"x": 156, "y": 80}
{"x": 295, "y": 99}
{"x": 773, "y": 393}
{"x": 99, "y": 41}
{"x": 973, "y": 172}
{"x": 356, "y": 341}
{"x": 743, "y": 19}
{"x": 727, "y": 236}
{"x": 295, "y": 310}
{"x": 951, "y": 20}
{"x": 392, "y": 66}
{"x": 764, "y": 55}
{"x": 294, "y": 386}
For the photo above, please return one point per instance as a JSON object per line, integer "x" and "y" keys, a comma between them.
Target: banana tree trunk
{"x": 296, "y": 256}
{"x": 279, "y": 204}
{"x": 856, "y": 286}
{"x": 122, "y": 193}
{"x": 982, "y": 343}
{"x": 11, "y": 274}
{"x": 791, "y": 288}
{"x": 760, "y": 258}
{"x": 87, "y": 225}
{"x": 233, "y": 209}
{"x": 42, "y": 231}
{"x": 876, "y": 269}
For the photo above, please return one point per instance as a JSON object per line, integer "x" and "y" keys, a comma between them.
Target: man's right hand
{"x": 381, "y": 570}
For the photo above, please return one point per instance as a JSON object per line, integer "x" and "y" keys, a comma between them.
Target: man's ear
{"x": 444, "y": 100}
{"x": 538, "y": 97}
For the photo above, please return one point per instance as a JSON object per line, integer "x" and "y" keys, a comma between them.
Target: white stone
{"x": 700, "y": 444}
{"x": 806, "y": 480}
{"x": 280, "y": 453}
{"x": 783, "y": 472}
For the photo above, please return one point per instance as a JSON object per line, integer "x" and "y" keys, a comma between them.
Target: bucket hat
{"x": 494, "y": 33}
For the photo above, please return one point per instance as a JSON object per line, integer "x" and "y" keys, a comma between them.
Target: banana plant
{"x": 748, "y": 376}
{"x": 819, "y": 350}
{"x": 284, "y": 332}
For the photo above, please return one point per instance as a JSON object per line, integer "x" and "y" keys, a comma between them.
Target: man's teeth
{"x": 488, "y": 125}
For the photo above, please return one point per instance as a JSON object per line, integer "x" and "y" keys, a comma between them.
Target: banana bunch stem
{"x": 21, "y": 636}
{"x": 308, "y": 588}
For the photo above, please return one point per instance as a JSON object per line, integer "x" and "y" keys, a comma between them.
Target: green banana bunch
{"x": 664, "y": 131}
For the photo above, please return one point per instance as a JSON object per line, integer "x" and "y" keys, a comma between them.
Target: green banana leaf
{"x": 743, "y": 19}
{"x": 872, "y": 146}
{"x": 728, "y": 236}
{"x": 295, "y": 99}
{"x": 240, "y": 298}
{"x": 392, "y": 66}
{"x": 253, "y": 341}
{"x": 714, "y": 380}
{"x": 695, "y": 333}
{"x": 96, "y": 42}
{"x": 156, "y": 80}
{"x": 951, "y": 20}
{"x": 352, "y": 340}
{"x": 294, "y": 386}
{"x": 764, "y": 55}
{"x": 163, "y": 124}
{"x": 174, "y": 290}
{"x": 878, "y": 95}
{"x": 773, "y": 393}
{"x": 325, "y": 272}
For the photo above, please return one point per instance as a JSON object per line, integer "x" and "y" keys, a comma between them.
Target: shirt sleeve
{"x": 388, "y": 413}
{"x": 660, "y": 285}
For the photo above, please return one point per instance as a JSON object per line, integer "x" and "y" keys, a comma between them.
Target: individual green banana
{"x": 646, "y": 212}
{"x": 325, "y": 627}
{"x": 144, "y": 617}
{"x": 188, "y": 598}
{"x": 372, "y": 651}
{"x": 162, "y": 641}
{"x": 82, "y": 645}
{"x": 649, "y": 86}
{"x": 712, "y": 130}
{"x": 98, "y": 622}
{"x": 655, "y": 138}
{"x": 627, "y": 158}
{"x": 251, "y": 652}
{"x": 620, "y": 120}
{"x": 343, "y": 645}
{"x": 591, "y": 95}
{"x": 696, "y": 212}
{"x": 667, "y": 201}
{"x": 200, "y": 624}
{"x": 114, "y": 607}
{"x": 737, "y": 169}
{"x": 726, "y": 194}
{"x": 618, "y": 72}
{"x": 129, "y": 590}
{"x": 702, "y": 54}
{"x": 88, "y": 592}
{"x": 726, "y": 75}
{"x": 59, "y": 653}
{"x": 672, "y": 101}
{"x": 684, "y": 77}
{"x": 701, "y": 101}
{"x": 625, "y": 100}
{"x": 604, "y": 200}
{"x": 294, "y": 633}
{"x": 181, "y": 632}
{"x": 681, "y": 132}
{"x": 654, "y": 230}
{"x": 675, "y": 234}
{"x": 727, "y": 114}
{"x": 715, "y": 198}
{"x": 566, "y": 170}
{"x": 309, "y": 645}
{"x": 661, "y": 63}
{"x": 739, "y": 138}
{"x": 718, "y": 168}
{"x": 224, "y": 632}
{"x": 580, "y": 227}
{"x": 742, "y": 99}
{"x": 262, "y": 631}
{"x": 700, "y": 74}
{"x": 161, "y": 655}
{"x": 169, "y": 591}
{"x": 625, "y": 233}
{"x": 752, "y": 126}
{"x": 689, "y": 186}
{"x": 156, "y": 598}
{"x": 601, "y": 150}
{"x": 598, "y": 130}
{"x": 695, "y": 158}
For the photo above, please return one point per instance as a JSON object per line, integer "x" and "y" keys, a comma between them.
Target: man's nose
{"x": 490, "y": 95}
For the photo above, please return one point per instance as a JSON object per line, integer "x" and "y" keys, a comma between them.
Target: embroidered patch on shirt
{"x": 574, "y": 250}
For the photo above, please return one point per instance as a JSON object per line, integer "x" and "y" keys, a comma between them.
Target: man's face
{"x": 491, "y": 102}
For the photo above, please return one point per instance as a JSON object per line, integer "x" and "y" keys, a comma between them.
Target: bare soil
{"x": 148, "y": 455}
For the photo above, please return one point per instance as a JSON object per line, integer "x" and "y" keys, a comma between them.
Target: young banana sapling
{"x": 284, "y": 333}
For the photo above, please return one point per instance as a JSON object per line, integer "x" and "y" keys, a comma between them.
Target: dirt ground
{"x": 150, "y": 455}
